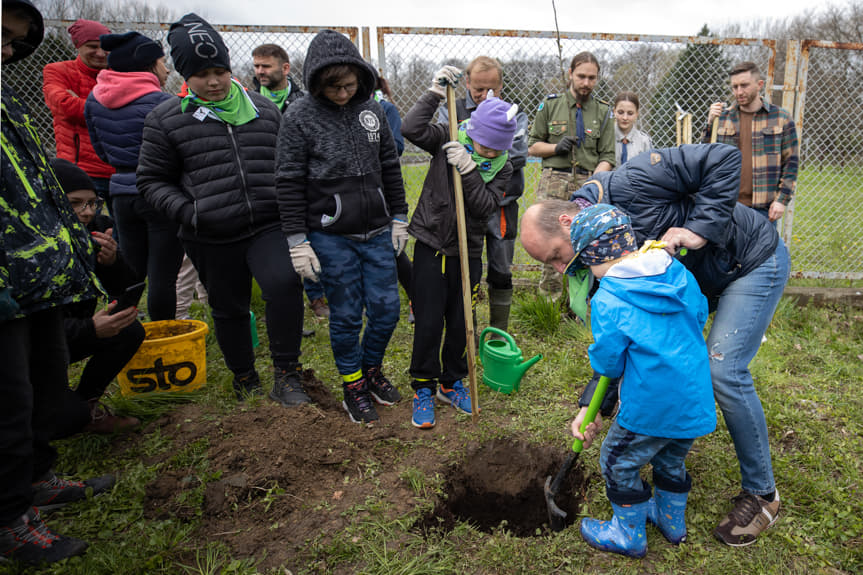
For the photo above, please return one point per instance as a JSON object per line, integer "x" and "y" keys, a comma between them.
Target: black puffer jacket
{"x": 693, "y": 187}
{"x": 434, "y": 222}
{"x": 338, "y": 169}
{"x": 213, "y": 178}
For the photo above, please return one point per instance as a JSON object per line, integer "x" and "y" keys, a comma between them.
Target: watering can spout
{"x": 529, "y": 363}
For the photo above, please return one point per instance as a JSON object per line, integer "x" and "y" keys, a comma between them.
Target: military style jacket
{"x": 46, "y": 256}
{"x": 555, "y": 119}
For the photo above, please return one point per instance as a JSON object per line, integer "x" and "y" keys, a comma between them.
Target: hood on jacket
{"x": 660, "y": 295}
{"x": 116, "y": 89}
{"x": 330, "y": 47}
{"x": 34, "y": 35}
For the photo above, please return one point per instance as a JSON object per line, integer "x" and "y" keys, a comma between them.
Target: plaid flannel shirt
{"x": 774, "y": 151}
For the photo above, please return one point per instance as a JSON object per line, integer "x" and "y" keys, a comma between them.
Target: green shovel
{"x": 556, "y": 515}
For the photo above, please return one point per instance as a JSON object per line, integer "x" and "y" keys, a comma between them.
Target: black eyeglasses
{"x": 95, "y": 205}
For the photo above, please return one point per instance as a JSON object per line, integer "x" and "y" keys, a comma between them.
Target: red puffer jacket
{"x": 70, "y": 129}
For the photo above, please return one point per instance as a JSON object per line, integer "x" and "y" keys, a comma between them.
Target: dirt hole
{"x": 501, "y": 482}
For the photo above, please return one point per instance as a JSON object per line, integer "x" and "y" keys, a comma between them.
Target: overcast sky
{"x": 657, "y": 17}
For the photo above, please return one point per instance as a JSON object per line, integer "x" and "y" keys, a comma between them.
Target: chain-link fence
{"x": 667, "y": 73}
{"x": 822, "y": 229}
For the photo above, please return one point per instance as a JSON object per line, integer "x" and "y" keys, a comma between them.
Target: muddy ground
{"x": 276, "y": 478}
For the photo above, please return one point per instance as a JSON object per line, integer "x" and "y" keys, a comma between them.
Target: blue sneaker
{"x": 423, "y": 409}
{"x": 458, "y": 396}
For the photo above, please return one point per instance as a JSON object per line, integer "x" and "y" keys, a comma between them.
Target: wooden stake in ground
{"x": 463, "y": 261}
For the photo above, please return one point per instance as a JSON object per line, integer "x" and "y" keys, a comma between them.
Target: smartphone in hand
{"x": 130, "y": 297}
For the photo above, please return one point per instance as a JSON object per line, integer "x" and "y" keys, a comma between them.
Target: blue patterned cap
{"x": 599, "y": 233}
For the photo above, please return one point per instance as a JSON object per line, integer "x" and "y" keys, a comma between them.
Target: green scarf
{"x": 237, "y": 109}
{"x": 488, "y": 167}
{"x": 279, "y": 97}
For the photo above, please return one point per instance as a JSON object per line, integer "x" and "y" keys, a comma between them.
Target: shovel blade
{"x": 556, "y": 515}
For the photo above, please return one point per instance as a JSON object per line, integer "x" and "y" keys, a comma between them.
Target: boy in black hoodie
{"x": 343, "y": 210}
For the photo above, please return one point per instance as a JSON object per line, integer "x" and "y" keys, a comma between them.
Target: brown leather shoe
{"x": 320, "y": 307}
{"x": 104, "y": 422}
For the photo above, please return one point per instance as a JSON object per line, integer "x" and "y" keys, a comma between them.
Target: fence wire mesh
{"x": 665, "y": 72}
{"x": 828, "y": 209}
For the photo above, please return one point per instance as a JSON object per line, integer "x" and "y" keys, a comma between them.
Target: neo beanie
{"x": 493, "y": 124}
{"x": 600, "y": 233}
{"x": 130, "y": 52}
{"x": 70, "y": 176}
{"x": 196, "y": 46}
{"x": 83, "y": 31}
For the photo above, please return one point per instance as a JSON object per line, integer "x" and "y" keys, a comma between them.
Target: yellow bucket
{"x": 173, "y": 357}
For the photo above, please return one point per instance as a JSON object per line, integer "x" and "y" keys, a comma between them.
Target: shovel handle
{"x": 592, "y": 410}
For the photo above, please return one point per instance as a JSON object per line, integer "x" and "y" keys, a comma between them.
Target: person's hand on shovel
{"x": 590, "y": 432}
{"x": 446, "y": 75}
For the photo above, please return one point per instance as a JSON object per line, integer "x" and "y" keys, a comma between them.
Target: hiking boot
{"x": 288, "y": 386}
{"x": 423, "y": 416}
{"x": 751, "y": 515}
{"x": 358, "y": 402}
{"x": 380, "y": 387}
{"x": 29, "y": 541}
{"x": 247, "y": 385}
{"x": 458, "y": 396}
{"x": 320, "y": 307}
{"x": 103, "y": 421}
{"x": 52, "y": 492}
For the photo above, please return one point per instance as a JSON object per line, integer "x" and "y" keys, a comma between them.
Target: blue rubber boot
{"x": 667, "y": 510}
{"x": 624, "y": 534}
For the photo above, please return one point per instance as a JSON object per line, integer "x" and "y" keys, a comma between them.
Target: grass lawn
{"x": 389, "y": 481}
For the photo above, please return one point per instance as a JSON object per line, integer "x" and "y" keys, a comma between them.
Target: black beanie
{"x": 196, "y": 46}
{"x": 130, "y": 52}
{"x": 70, "y": 176}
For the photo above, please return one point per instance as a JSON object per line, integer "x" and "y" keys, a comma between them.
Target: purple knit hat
{"x": 493, "y": 124}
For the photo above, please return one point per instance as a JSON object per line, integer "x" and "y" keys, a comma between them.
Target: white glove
{"x": 458, "y": 156}
{"x": 444, "y": 76}
{"x": 305, "y": 261}
{"x": 400, "y": 236}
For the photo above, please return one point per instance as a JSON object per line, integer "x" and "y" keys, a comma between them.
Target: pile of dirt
{"x": 277, "y": 478}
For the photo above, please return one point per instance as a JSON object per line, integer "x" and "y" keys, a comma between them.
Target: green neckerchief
{"x": 279, "y": 97}
{"x": 237, "y": 109}
{"x": 488, "y": 167}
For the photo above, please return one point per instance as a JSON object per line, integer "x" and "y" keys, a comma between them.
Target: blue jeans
{"x": 357, "y": 275}
{"x": 624, "y": 453}
{"x": 744, "y": 311}
{"x": 314, "y": 290}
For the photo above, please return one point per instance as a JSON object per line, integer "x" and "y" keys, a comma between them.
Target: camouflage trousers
{"x": 558, "y": 185}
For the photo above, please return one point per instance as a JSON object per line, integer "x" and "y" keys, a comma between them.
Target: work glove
{"x": 458, "y": 156}
{"x": 305, "y": 261}
{"x": 400, "y": 236}
{"x": 8, "y": 306}
{"x": 444, "y": 76}
{"x": 564, "y": 147}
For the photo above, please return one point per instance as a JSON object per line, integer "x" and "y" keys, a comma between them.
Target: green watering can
{"x": 502, "y": 366}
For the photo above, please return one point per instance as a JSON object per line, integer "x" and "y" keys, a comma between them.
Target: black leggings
{"x": 226, "y": 270}
{"x": 150, "y": 245}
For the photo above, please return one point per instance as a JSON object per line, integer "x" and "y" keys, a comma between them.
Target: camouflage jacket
{"x": 46, "y": 256}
